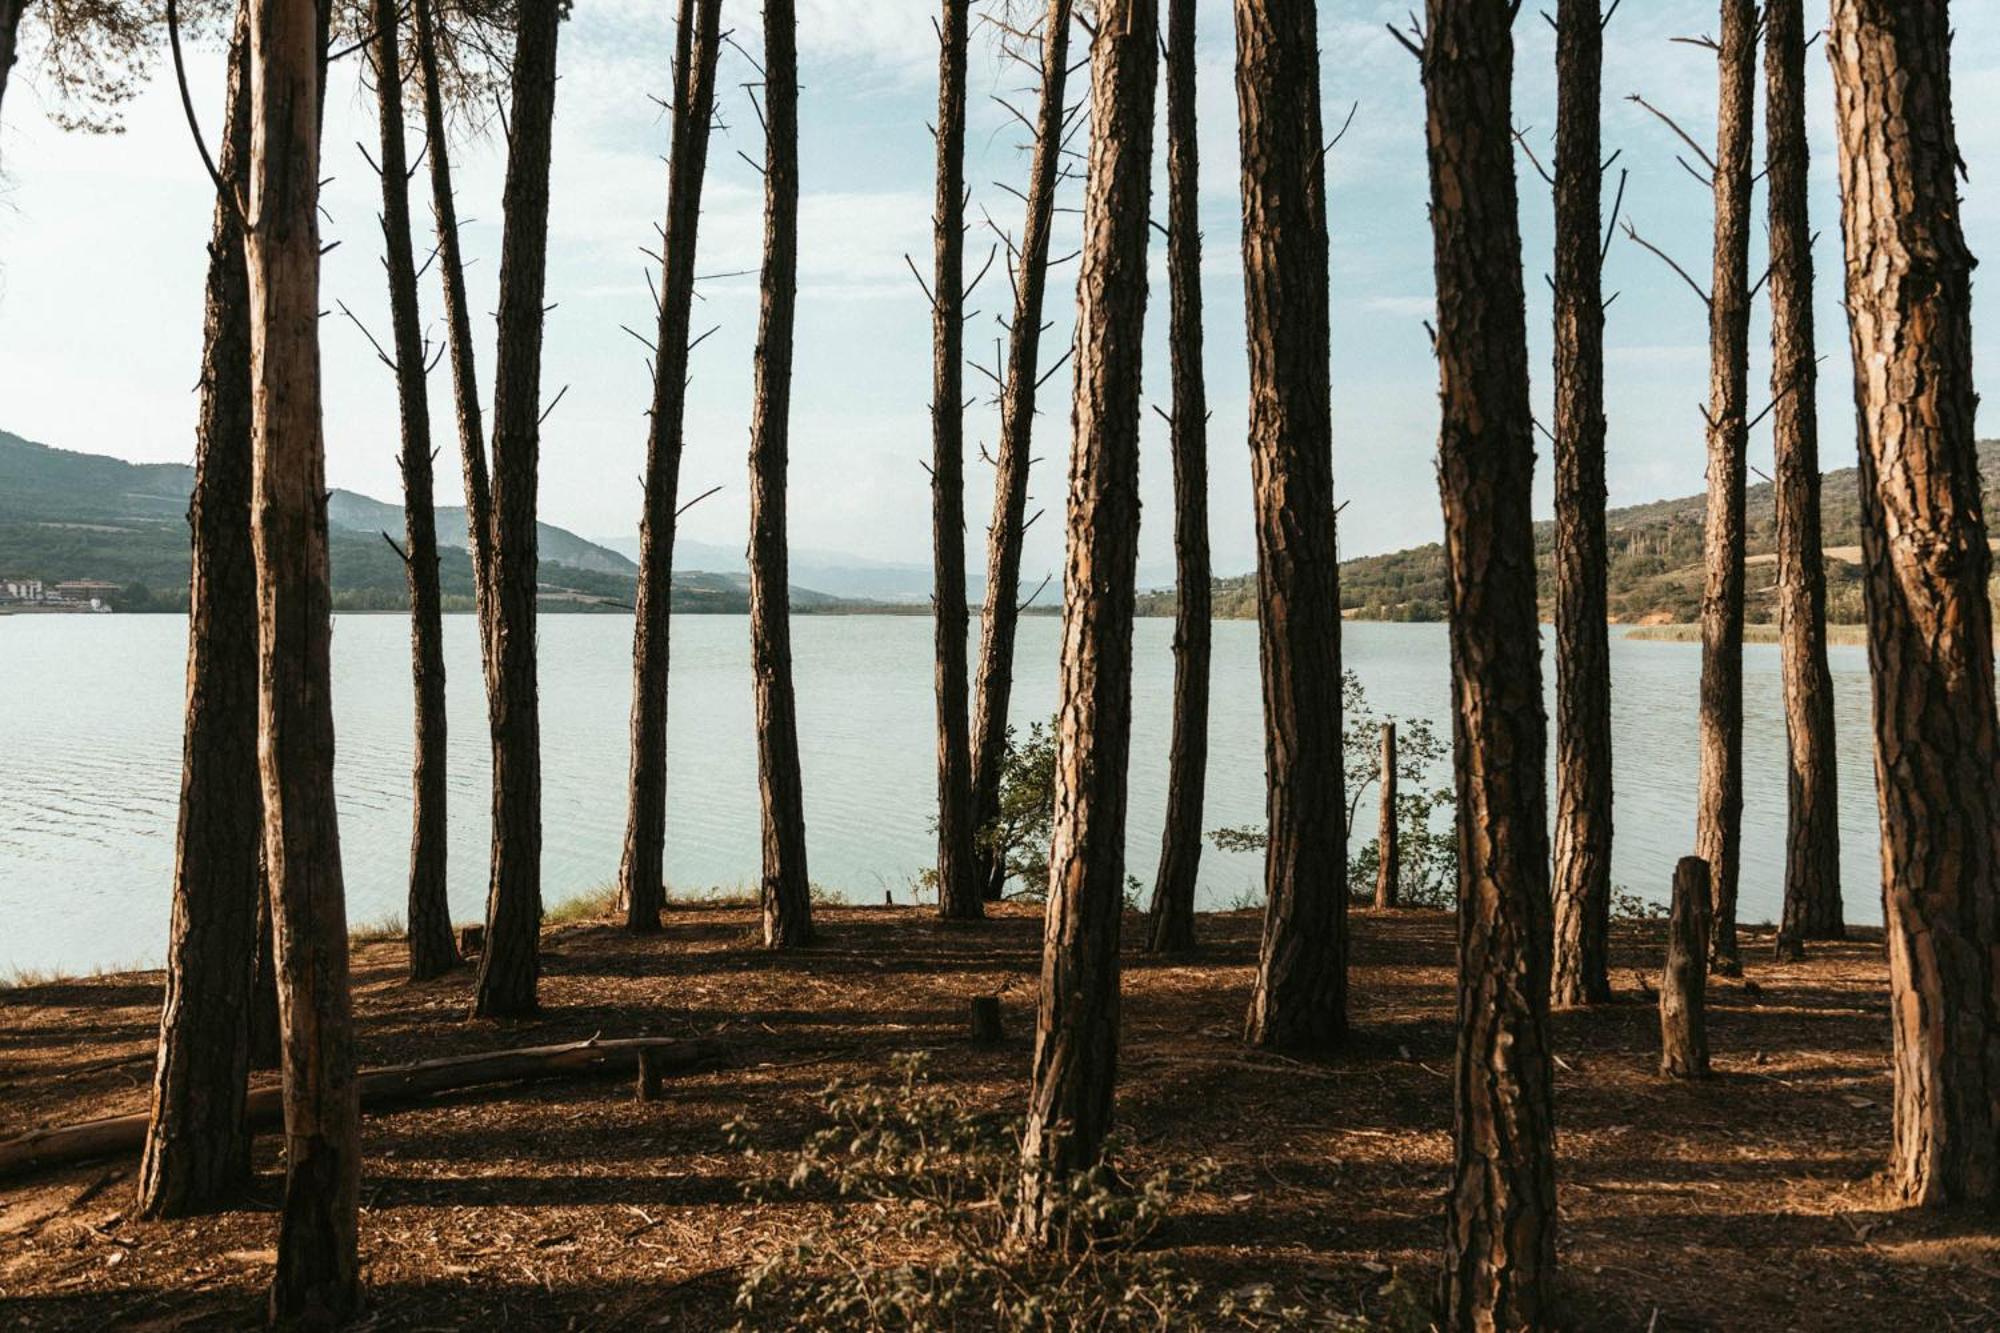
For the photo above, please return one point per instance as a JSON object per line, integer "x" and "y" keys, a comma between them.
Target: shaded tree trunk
{"x": 1388, "y": 851}
{"x": 317, "y": 1276}
{"x": 642, "y": 868}
{"x": 1719, "y": 809}
{"x": 1930, "y": 624}
{"x": 960, "y": 890}
{"x": 1684, "y": 980}
{"x": 1812, "y": 833}
{"x": 10, "y": 34}
{"x": 1187, "y": 764}
{"x": 266, "y": 1039}
{"x": 1581, "y": 887}
{"x": 197, "y": 1144}
{"x": 1300, "y": 1000}
{"x": 458, "y": 324}
{"x": 1076, "y": 1033}
{"x": 510, "y": 965}
{"x": 432, "y": 950}
{"x": 1500, "y": 1232}
{"x": 994, "y": 683}
{"x": 786, "y": 892}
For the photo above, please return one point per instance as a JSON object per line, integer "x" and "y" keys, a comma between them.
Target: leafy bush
{"x": 1020, "y": 831}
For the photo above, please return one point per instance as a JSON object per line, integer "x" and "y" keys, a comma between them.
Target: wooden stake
{"x": 1683, "y": 1021}
{"x": 1389, "y": 860}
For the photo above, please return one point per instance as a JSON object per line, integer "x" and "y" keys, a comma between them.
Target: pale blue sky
{"x": 101, "y": 258}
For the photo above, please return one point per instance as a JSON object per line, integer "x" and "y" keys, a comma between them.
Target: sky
{"x": 102, "y": 258}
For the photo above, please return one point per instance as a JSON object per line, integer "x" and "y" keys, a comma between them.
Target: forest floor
{"x": 1741, "y": 1202}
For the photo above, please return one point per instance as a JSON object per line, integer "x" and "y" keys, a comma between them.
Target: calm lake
{"x": 90, "y": 740}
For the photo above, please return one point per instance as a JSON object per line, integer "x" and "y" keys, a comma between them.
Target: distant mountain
{"x": 1655, "y": 574}
{"x": 837, "y": 573}
{"x": 66, "y": 515}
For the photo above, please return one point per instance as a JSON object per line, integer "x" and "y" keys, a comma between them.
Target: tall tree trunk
{"x": 1300, "y": 999}
{"x": 266, "y": 1036}
{"x": 510, "y": 965}
{"x": 1812, "y": 833}
{"x": 1500, "y": 1251}
{"x": 317, "y": 1276}
{"x": 10, "y": 33}
{"x": 1930, "y": 625}
{"x": 960, "y": 887}
{"x": 994, "y": 683}
{"x": 1187, "y": 770}
{"x": 458, "y": 323}
{"x": 1582, "y": 878}
{"x": 1076, "y": 1033}
{"x": 1719, "y": 811}
{"x": 197, "y": 1147}
{"x": 642, "y": 868}
{"x": 432, "y": 949}
{"x": 786, "y": 892}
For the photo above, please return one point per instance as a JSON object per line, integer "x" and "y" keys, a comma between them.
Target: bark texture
{"x": 1300, "y": 999}
{"x": 197, "y": 1146}
{"x": 642, "y": 868}
{"x": 10, "y": 34}
{"x": 432, "y": 951}
{"x": 1187, "y": 763}
{"x": 1719, "y": 801}
{"x": 786, "y": 892}
{"x": 317, "y": 1278}
{"x": 960, "y": 886}
{"x": 1500, "y": 1251}
{"x": 994, "y": 683}
{"x": 1581, "y": 884}
{"x": 1076, "y": 1032}
{"x": 1812, "y": 830}
{"x": 1684, "y": 980}
{"x": 510, "y": 966}
{"x": 1388, "y": 849}
{"x": 1930, "y": 625}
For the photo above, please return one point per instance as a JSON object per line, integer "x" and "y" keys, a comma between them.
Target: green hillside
{"x": 1655, "y": 551}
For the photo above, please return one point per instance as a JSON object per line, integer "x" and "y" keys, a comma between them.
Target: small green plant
{"x": 1631, "y": 909}
{"x": 1020, "y": 830}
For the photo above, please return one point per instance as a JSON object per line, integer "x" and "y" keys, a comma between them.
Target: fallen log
{"x": 389, "y": 1085}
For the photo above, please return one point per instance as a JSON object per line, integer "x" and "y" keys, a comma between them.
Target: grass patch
{"x": 590, "y": 905}
{"x": 381, "y": 930}
{"x": 1856, "y": 635}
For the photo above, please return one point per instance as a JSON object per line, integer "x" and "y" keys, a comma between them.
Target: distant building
{"x": 87, "y": 592}
{"x": 22, "y": 590}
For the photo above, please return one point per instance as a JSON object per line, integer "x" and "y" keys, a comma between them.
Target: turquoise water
{"x": 90, "y": 761}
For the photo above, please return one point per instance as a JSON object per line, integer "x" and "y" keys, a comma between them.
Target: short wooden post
{"x": 652, "y": 1079}
{"x": 985, "y": 1020}
{"x": 471, "y": 939}
{"x": 1684, "y": 983}
{"x": 1389, "y": 858}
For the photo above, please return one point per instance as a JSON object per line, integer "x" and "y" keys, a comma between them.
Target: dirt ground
{"x": 1743, "y": 1202}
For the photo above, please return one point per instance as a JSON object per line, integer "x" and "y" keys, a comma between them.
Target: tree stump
{"x": 985, "y": 1020}
{"x": 1684, "y": 982}
{"x": 651, "y": 1083}
{"x": 1389, "y": 859}
{"x": 471, "y": 939}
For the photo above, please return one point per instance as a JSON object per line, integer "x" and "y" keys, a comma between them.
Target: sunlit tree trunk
{"x": 642, "y": 869}
{"x": 1719, "y": 810}
{"x": 959, "y": 883}
{"x": 1180, "y": 844}
{"x": 1300, "y": 999}
{"x": 1500, "y": 1212}
{"x": 994, "y": 683}
{"x": 786, "y": 892}
{"x": 317, "y": 1276}
{"x": 197, "y": 1147}
{"x": 510, "y": 966}
{"x": 1930, "y": 624}
{"x": 1076, "y": 1032}
{"x": 432, "y": 949}
{"x": 1582, "y": 874}
{"x": 1812, "y": 834}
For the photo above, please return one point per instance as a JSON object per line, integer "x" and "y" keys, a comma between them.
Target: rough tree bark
{"x": 994, "y": 681}
{"x": 1388, "y": 852}
{"x": 960, "y": 886}
{"x": 642, "y": 868}
{"x": 10, "y": 34}
{"x": 1500, "y": 1252}
{"x": 1812, "y": 834}
{"x": 197, "y": 1146}
{"x": 432, "y": 950}
{"x": 317, "y": 1277}
{"x": 786, "y": 892}
{"x": 510, "y": 965}
{"x": 1300, "y": 1000}
{"x": 1930, "y": 625}
{"x": 1076, "y": 1032}
{"x": 1180, "y": 843}
{"x": 1684, "y": 980}
{"x": 1581, "y": 886}
{"x": 1719, "y": 809}
{"x": 458, "y": 324}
